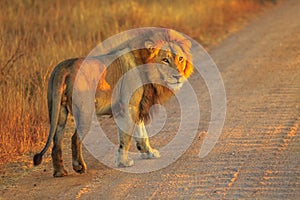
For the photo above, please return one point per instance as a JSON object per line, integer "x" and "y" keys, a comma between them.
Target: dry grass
{"x": 36, "y": 35}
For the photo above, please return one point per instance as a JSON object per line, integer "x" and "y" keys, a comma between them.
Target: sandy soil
{"x": 258, "y": 153}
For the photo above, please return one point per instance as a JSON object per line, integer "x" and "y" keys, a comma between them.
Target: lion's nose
{"x": 178, "y": 76}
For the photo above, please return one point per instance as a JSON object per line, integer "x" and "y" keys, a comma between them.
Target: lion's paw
{"x": 122, "y": 161}
{"x": 79, "y": 167}
{"x": 60, "y": 173}
{"x": 151, "y": 154}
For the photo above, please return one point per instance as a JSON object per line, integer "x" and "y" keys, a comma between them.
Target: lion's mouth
{"x": 174, "y": 86}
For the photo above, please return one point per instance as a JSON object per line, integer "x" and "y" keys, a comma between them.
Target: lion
{"x": 160, "y": 48}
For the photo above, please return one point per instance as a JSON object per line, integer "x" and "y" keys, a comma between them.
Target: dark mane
{"x": 153, "y": 94}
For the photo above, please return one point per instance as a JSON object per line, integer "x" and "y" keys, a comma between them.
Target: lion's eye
{"x": 165, "y": 60}
{"x": 180, "y": 59}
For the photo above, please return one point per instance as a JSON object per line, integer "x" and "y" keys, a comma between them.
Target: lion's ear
{"x": 187, "y": 43}
{"x": 149, "y": 45}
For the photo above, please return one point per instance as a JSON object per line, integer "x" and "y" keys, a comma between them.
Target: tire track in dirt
{"x": 270, "y": 129}
{"x": 276, "y": 175}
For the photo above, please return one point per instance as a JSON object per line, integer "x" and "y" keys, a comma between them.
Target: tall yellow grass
{"x": 36, "y": 35}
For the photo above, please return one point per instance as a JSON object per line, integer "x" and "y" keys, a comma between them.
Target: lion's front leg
{"x": 122, "y": 158}
{"x": 126, "y": 125}
{"x": 143, "y": 144}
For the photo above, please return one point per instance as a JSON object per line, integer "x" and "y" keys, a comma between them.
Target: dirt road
{"x": 258, "y": 153}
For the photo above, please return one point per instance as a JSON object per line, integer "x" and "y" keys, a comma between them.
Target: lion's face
{"x": 173, "y": 64}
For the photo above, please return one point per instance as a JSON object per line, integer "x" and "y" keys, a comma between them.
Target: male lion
{"x": 164, "y": 47}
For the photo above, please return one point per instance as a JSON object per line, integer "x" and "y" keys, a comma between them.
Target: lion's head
{"x": 169, "y": 52}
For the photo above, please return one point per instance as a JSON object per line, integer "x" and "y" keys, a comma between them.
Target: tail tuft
{"x": 37, "y": 159}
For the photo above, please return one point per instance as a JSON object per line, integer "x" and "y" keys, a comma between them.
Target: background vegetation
{"x": 36, "y": 35}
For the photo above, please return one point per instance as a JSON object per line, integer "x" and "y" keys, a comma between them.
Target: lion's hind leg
{"x": 59, "y": 169}
{"x": 143, "y": 144}
{"x": 78, "y": 163}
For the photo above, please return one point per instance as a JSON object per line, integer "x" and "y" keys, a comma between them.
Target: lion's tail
{"x": 55, "y": 85}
